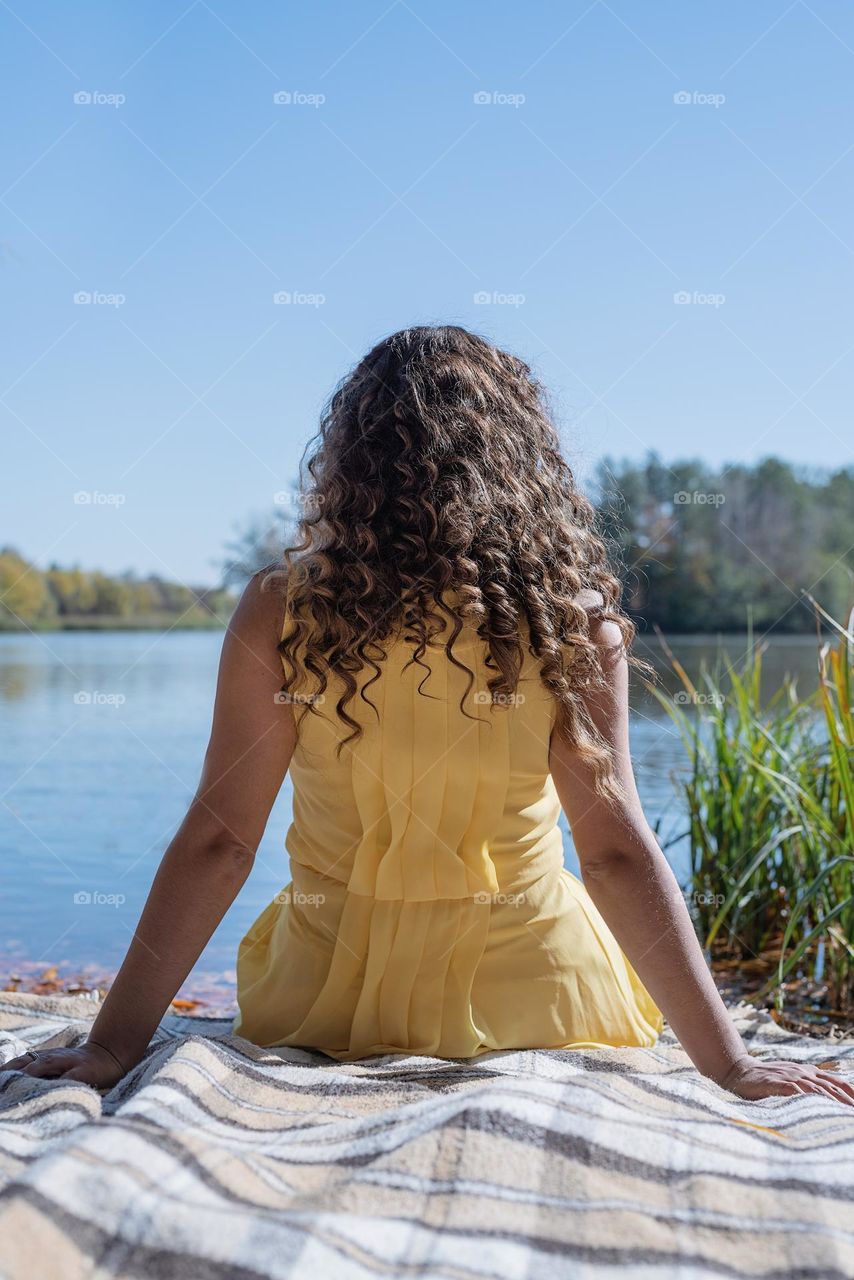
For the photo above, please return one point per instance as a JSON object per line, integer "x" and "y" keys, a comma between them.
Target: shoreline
{"x": 213, "y": 995}
{"x": 101, "y": 623}
{"x": 203, "y": 995}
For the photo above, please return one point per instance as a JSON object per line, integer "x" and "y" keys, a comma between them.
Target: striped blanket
{"x": 218, "y": 1159}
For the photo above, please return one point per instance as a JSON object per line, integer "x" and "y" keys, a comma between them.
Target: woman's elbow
{"x": 604, "y": 864}
{"x": 206, "y": 836}
{"x": 624, "y": 859}
{"x": 227, "y": 849}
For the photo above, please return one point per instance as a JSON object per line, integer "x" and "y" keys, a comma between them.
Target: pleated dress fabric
{"x": 429, "y": 910}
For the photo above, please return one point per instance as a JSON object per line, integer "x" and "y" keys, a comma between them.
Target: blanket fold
{"x": 217, "y": 1158}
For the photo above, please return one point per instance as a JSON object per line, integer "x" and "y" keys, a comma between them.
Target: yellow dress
{"x": 429, "y": 911}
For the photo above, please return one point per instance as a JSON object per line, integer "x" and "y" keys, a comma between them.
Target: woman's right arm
{"x": 633, "y": 887}
{"x": 208, "y": 860}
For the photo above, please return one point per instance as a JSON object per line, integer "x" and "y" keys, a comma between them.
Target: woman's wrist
{"x": 725, "y": 1077}
{"x": 123, "y": 1065}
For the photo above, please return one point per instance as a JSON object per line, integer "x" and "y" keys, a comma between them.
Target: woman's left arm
{"x": 633, "y": 887}
{"x": 206, "y": 864}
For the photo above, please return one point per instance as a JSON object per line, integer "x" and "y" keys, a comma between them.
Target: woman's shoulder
{"x": 260, "y": 612}
{"x": 592, "y": 602}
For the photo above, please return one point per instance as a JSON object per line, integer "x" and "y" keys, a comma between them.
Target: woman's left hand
{"x": 754, "y": 1078}
{"x": 89, "y": 1063}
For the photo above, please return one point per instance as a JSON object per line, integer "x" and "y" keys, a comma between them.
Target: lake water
{"x": 103, "y": 735}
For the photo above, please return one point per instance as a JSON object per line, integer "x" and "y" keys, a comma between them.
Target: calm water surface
{"x": 102, "y": 744}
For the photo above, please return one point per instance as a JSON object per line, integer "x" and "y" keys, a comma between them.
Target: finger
{"x": 772, "y": 1088}
{"x": 24, "y": 1063}
{"x": 811, "y": 1085}
{"x": 831, "y": 1088}
{"x": 825, "y": 1078}
{"x": 17, "y": 1064}
{"x": 48, "y": 1065}
{"x": 841, "y": 1083}
{"x": 784, "y": 1089}
{"x": 841, "y": 1096}
{"x": 26, "y": 1060}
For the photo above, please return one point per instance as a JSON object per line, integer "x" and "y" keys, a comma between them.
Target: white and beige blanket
{"x": 218, "y": 1159}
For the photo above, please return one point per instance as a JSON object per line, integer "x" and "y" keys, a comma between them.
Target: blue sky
{"x": 581, "y": 199}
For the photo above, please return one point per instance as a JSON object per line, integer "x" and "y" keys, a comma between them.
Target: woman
{"x": 455, "y": 670}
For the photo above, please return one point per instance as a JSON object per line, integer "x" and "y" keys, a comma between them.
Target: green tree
{"x": 25, "y": 600}
{"x": 704, "y": 548}
{"x": 73, "y": 590}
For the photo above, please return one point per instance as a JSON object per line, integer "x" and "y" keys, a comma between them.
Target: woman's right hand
{"x": 89, "y": 1063}
{"x": 754, "y": 1078}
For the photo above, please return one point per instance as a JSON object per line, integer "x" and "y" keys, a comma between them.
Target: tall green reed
{"x": 770, "y": 802}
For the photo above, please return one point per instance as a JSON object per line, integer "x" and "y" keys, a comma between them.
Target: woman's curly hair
{"x": 437, "y": 493}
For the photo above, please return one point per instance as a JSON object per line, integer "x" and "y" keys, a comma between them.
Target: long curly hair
{"x": 436, "y": 493}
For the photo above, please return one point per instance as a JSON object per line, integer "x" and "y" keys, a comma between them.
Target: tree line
{"x": 704, "y": 549}
{"x": 41, "y": 599}
{"x": 700, "y": 549}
